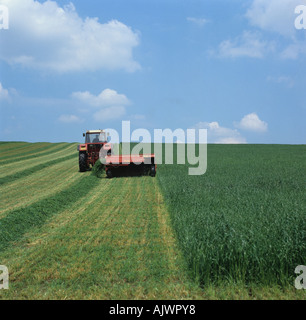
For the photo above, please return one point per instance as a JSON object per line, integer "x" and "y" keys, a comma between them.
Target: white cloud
{"x": 49, "y": 37}
{"x": 110, "y": 113}
{"x": 218, "y": 134}
{"x": 65, "y": 118}
{"x": 279, "y": 17}
{"x": 284, "y": 80}
{"x": 200, "y": 22}
{"x": 249, "y": 44}
{"x": 110, "y": 104}
{"x": 4, "y": 94}
{"x": 231, "y": 140}
{"x": 274, "y": 15}
{"x": 107, "y": 97}
{"x": 251, "y": 122}
{"x": 269, "y": 18}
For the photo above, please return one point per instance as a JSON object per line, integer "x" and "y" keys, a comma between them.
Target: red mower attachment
{"x": 130, "y": 164}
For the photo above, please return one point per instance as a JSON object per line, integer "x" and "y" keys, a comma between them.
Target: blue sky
{"x": 235, "y": 68}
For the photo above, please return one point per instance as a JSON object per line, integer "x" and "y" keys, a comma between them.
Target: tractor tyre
{"x": 152, "y": 170}
{"x": 83, "y": 162}
{"x": 109, "y": 174}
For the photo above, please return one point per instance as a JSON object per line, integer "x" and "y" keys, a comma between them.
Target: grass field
{"x": 245, "y": 219}
{"x": 233, "y": 233}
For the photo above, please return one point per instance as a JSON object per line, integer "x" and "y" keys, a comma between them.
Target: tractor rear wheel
{"x": 83, "y": 162}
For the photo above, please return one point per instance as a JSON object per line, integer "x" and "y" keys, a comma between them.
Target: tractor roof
{"x": 95, "y": 131}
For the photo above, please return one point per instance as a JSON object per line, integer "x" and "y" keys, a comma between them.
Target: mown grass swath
{"x": 35, "y": 153}
{"x": 244, "y": 220}
{"x": 7, "y": 145}
{"x": 27, "y": 172}
{"x": 29, "y": 148}
{"x": 17, "y": 222}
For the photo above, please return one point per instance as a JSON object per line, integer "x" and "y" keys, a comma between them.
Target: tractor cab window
{"x": 95, "y": 137}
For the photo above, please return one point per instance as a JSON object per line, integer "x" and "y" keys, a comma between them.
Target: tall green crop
{"x": 244, "y": 219}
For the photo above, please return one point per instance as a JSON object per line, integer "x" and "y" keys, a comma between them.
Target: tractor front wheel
{"x": 152, "y": 170}
{"x": 83, "y": 162}
{"x": 109, "y": 173}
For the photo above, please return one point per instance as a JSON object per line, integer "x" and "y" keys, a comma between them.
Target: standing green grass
{"x": 244, "y": 220}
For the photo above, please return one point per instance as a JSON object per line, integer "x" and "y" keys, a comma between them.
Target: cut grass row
{"x": 13, "y": 168}
{"x": 34, "y": 153}
{"x": 24, "y": 149}
{"x": 29, "y": 171}
{"x": 19, "y": 221}
{"x": 8, "y": 145}
{"x": 39, "y": 185}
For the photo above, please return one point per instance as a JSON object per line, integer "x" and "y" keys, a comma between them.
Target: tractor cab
{"x": 95, "y": 145}
{"x": 97, "y": 136}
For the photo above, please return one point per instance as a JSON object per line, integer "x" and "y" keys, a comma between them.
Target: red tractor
{"x": 97, "y": 147}
{"x": 95, "y": 144}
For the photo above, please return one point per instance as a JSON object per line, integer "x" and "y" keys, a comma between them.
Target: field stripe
{"x": 31, "y": 170}
{"x": 35, "y": 153}
{"x": 7, "y": 146}
{"x": 24, "y": 150}
{"x": 10, "y": 168}
{"x": 39, "y": 185}
{"x": 18, "y": 222}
